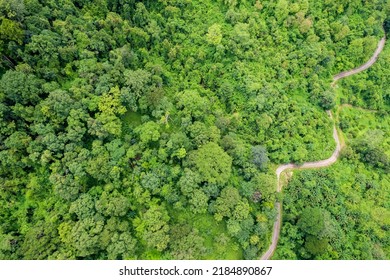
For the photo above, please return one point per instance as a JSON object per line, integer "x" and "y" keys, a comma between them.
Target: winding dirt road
{"x": 316, "y": 164}
{"x": 363, "y": 67}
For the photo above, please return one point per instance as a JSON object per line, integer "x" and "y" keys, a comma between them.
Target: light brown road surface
{"x": 316, "y": 164}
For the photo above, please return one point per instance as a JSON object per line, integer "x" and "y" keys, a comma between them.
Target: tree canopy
{"x": 152, "y": 129}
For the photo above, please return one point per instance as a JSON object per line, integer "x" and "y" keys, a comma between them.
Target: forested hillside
{"x": 152, "y": 129}
{"x": 342, "y": 212}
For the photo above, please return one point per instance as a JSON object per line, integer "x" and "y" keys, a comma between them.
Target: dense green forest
{"x": 152, "y": 129}
{"x": 342, "y": 212}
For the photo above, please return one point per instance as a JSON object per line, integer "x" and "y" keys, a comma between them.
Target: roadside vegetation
{"x": 152, "y": 129}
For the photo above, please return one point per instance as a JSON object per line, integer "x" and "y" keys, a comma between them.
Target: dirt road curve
{"x": 316, "y": 164}
{"x": 280, "y": 169}
{"x": 363, "y": 67}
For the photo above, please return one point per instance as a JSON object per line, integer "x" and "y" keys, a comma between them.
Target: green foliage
{"x": 327, "y": 100}
{"x": 144, "y": 129}
{"x": 260, "y": 157}
{"x": 10, "y": 31}
{"x": 188, "y": 245}
{"x": 192, "y": 104}
{"x": 212, "y": 163}
{"x": 20, "y": 87}
{"x": 112, "y": 205}
{"x": 316, "y": 222}
{"x": 332, "y": 214}
{"x": 148, "y": 132}
{"x": 368, "y": 136}
{"x": 153, "y": 227}
{"x": 198, "y": 202}
{"x": 369, "y": 89}
{"x": 13, "y": 9}
{"x": 386, "y": 25}
{"x": 316, "y": 246}
{"x": 369, "y": 146}
{"x": 214, "y": 34}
